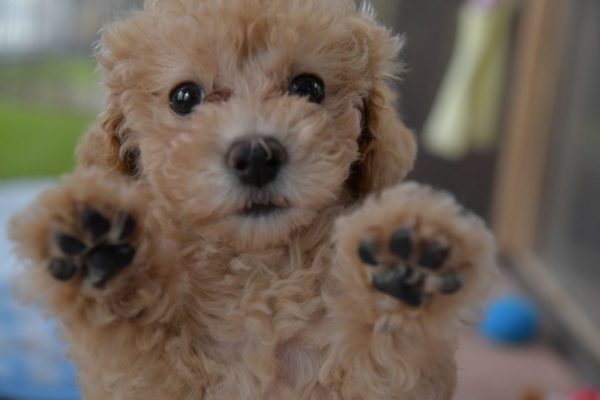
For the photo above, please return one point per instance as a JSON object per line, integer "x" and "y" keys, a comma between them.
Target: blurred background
{"x": 504, "y": 98}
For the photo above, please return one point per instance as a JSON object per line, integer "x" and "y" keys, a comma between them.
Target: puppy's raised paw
{"x": 97, "y": 247}
{"x": 86, "y": 229}
{"x": 408, "y": 265}
{"x": 417, "y": 245}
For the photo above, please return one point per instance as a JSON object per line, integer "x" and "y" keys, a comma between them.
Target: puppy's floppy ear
{"x": 106, "y": 146}
{"x": 387, "y": 147}
{"x": 110, "y": 144}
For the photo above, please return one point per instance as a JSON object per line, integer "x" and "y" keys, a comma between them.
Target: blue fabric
{"x": 33, "y": 363}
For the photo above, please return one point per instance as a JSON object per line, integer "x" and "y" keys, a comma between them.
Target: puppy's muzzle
{"x": 256, "y": 160}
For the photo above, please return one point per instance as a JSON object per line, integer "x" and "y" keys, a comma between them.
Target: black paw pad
{"x": 409, "y": 265}
{"x": 434, "y": 256}
{"x": 450, "y": 284}
{"x": 110, "y": 257}
{"x": 393, "y": 282}
{"x": 63, "y": 270}
{"x": 104, "y": 262}
{"x": 401, "y": 243}
{"x": 95, "y": 223}
{"x": 69, "y": 245}
{"x": 366, "y": 252}
{"x": 98, "y": 261}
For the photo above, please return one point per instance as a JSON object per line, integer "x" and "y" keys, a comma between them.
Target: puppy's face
{"x": 250, "y": 117}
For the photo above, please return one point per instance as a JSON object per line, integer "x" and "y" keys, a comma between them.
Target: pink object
{"x": 586, "y": 394}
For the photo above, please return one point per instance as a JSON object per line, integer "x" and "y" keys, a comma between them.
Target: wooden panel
{"x": 525, "y": 174}
{"x": 523, "y": 154}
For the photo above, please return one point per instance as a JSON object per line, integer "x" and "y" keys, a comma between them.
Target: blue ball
{"x": 512, "y": 320}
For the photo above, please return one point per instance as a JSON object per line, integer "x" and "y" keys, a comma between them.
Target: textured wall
{"x": 429, "y": 27}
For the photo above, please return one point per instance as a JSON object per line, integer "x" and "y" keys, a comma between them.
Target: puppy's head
{"x": 250, "y": 117}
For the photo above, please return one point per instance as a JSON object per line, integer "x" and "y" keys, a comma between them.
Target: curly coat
{"x": 216, "y": 305}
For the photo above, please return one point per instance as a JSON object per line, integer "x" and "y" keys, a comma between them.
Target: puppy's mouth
{"x": 260, "y": 210}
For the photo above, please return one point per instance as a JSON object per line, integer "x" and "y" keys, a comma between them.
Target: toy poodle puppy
{"x": 236, "y": 227}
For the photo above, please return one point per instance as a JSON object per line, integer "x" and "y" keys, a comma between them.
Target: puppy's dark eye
{"x": 185, "y": 97}
{"x": 308, "y": 86}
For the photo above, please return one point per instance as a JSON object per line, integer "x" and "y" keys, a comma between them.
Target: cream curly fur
{"x": 218, "y": 305}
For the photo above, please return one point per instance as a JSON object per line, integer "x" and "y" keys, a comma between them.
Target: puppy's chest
{"x": 267, "y": 317}
{"x": 278, "y": 303}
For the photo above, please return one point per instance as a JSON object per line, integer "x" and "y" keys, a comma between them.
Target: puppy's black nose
{"x": 256, "y": 161}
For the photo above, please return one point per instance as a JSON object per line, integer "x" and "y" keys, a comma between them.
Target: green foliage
{"x": 71, "y": 71}
{"x": 38, "y": 140}
{"x": 40, "y": 114}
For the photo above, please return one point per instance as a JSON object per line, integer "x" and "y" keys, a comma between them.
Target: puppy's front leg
{"x": 416, "y": 251}
{"x": 410, "y": 262}
{"x": 91, "y": 250}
